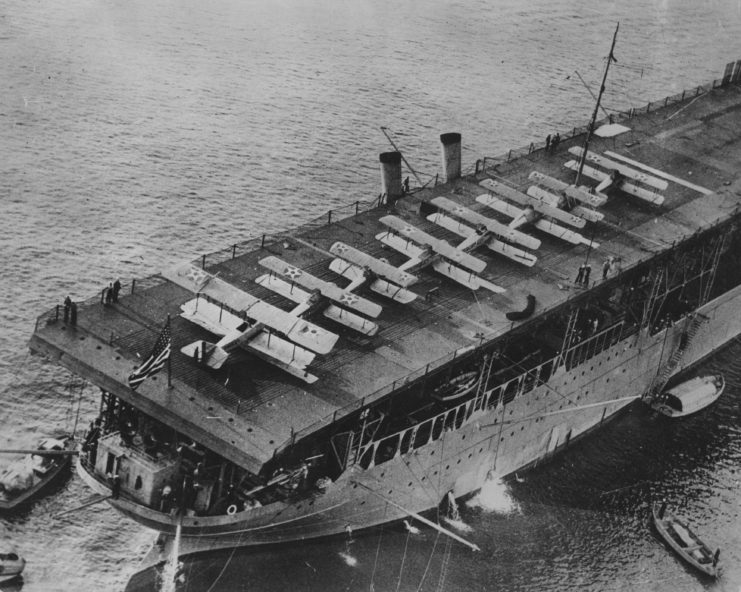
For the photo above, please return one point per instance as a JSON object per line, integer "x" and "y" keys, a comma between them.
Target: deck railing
{"x": 491, "y": 162}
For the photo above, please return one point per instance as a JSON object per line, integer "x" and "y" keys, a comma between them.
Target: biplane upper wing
{"x": 329, "y": 290}
{"x": 441, "y": 247}
{"x": 501, "y": 230}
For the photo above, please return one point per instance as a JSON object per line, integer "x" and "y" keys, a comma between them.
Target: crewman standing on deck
{"x": 587, "y": 271}
{"x": 580, "y": 275}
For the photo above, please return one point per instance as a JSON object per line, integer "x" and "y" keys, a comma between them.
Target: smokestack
{"x": 451, "y": 155}
{"x": 391, "y": 175}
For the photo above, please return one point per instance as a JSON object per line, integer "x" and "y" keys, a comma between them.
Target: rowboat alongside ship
{"x": 11, "y": 566}
{"x": 685, "y": 542}
{"x": 690, "y": 396}
{"x": 358, "y": 371}
{"x": 26, "y": 477}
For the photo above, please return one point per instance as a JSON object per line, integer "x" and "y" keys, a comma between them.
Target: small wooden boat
{"x": 456, "y": 387}
{"x": 691, "y": 396}
{"x": 11, "y": 566}
{"x": 28, "y": 475}
{"x": 686, "y": 543}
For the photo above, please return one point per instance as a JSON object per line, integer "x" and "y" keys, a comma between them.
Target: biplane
{"x": 281, "y": 338}
{"x": 426, "y": 250}
{"x": 382, "y": 277}
{"x": 620, "y": 176}
{"x": 484, "y": 231}
{"x": 310, "y": 292}
{"x": 536, "y": 211}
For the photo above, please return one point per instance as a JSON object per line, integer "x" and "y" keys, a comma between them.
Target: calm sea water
{"x": 138, "y": 134}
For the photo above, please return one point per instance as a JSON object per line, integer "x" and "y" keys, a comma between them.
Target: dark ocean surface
{"x": 134, "y": 135}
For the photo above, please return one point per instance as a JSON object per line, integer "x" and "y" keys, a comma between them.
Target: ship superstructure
{"x": 356, "y": 370}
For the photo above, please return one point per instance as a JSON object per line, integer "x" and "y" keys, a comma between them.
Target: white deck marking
{"x": 658, "y": 173}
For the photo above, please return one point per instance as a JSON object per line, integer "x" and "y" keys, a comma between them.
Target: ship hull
{"x": 489, "y": 444}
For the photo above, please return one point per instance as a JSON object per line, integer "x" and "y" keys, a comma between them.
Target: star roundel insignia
{"x": 341, "y": 248}
{"x": 408, "y": 230}
{"x": 292, "y": 272}
{"x": 459, "y": 210}
{"x": 349, "y": 298}
{"x": 195, "y": 275}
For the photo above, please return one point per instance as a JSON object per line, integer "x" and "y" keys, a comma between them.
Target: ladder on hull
{"x": 662, "y": 376}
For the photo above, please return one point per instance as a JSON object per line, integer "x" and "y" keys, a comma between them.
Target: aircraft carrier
{"x": 371, "y": 364}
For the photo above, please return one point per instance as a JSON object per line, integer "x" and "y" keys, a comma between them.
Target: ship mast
{"x": 590, "y": 129}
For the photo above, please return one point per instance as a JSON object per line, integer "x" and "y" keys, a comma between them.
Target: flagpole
{"x": 590, "y": 128}
{"x": 169, "y": 359}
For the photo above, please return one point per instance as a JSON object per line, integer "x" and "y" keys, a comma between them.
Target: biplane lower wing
{"x": 465, "y": 277}
{"x": 499, "y": 205}
{"x": 564, "y": 233}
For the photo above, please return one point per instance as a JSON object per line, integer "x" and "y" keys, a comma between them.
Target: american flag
{"x": 156, "y": 360}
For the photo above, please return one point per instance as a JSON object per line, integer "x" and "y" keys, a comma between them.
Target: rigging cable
{"x": 378, "y": 549}
{"x": 226, "y": 564}
{"x": 429, "y": 562}
{"x": 403, "y": 559}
